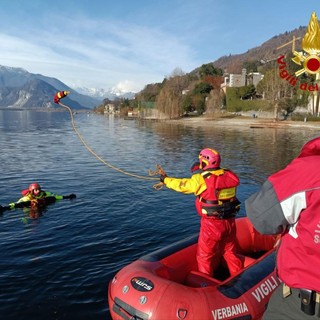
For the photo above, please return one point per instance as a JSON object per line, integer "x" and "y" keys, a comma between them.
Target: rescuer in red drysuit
{"x": 217, "y": 205}
{"x": 288, "y": 203}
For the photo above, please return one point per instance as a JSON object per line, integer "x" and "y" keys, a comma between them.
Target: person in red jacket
{"x": 288, "y": 203}
{"x": 217, "y": 205}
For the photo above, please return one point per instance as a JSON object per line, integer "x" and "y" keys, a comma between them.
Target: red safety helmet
{"x": 209, "y": 159}
{"x": 34, "y": 186}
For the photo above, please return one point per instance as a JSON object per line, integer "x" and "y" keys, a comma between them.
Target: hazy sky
{"x": 130, "y": 43}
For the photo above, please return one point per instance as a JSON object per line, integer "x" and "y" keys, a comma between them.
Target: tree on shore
{"x": 284, "y": 95}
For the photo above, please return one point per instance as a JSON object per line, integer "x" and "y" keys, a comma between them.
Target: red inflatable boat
{"x": 166, "y": 285}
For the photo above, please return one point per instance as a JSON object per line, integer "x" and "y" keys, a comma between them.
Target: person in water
{"x": 35, "y": 197}
{"x": 288, "y": 204}
{"x": 217, "y": 205}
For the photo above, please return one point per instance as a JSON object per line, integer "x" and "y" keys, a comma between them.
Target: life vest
{"x": 35, "y": 200}
{"x": 219, "y": 199}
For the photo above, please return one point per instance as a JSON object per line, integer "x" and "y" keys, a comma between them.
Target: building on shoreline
{"x": 241, "y": 80}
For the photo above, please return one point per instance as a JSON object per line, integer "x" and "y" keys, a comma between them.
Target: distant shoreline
{"x": 202, "y": 121}
{"x": 247, "y": 122}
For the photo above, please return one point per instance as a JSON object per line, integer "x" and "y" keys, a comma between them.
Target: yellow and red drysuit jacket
{"x": 215, "y": 191}
{"x": 36, "y": 200}
{"x": 217, "y": 204}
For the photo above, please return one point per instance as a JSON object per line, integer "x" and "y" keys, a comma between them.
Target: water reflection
{"x": 57, "y": 266}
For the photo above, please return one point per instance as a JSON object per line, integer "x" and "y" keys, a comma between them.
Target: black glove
{"x": 70, "y": 196}
{"x": 162, "y": 177}
{"x": 4, "y": 208}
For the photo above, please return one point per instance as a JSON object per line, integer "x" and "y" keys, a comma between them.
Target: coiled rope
{"x": 158, "y": 171}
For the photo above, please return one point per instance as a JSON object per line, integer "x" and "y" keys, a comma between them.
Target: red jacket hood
{"x": 25, "y": 192}
{"x": 311, "y": 148}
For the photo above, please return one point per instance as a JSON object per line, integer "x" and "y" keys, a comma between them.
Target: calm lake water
{"x": 58, "y": 266}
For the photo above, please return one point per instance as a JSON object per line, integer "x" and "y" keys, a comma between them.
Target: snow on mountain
{"x": 111, "y": 94}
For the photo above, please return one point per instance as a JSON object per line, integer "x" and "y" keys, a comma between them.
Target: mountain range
{"x": 100, "y": 94}
{"x": 21, "y": 89}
